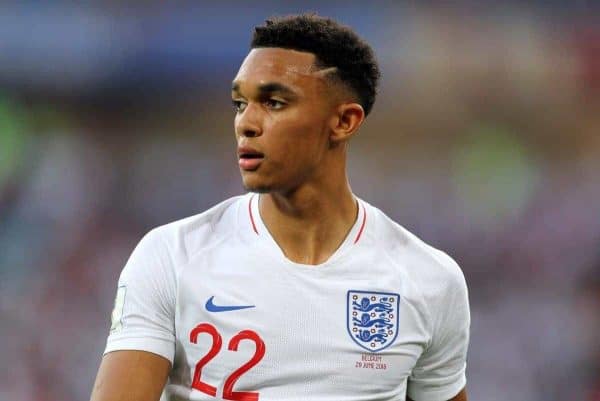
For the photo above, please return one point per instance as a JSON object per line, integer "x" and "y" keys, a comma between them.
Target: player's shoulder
{"x": 187, "y": 236}
{"x": 423, "y": 262}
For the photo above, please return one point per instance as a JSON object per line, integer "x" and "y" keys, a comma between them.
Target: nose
{"x": 248, "y": 122}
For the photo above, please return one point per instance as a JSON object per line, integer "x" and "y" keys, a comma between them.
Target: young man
{"x": 298, "y": 290}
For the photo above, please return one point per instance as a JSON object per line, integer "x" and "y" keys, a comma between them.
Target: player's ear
{"x": 346, "y": 121}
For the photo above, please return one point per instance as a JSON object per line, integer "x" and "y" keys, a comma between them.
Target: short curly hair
{"x": 333, "y": 44}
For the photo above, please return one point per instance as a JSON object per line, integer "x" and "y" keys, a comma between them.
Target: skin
{"x": 303, "y": 132}
{"x": 130, "y": 376}
{"x": 301, "y": 121}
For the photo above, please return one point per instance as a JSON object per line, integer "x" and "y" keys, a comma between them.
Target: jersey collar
{"x": 261, "y": 234}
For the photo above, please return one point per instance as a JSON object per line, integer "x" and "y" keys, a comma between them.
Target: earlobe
{"x": 348, "y": 119}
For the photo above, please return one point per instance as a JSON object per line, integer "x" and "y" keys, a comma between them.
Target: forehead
{"x": 264, "y": 65}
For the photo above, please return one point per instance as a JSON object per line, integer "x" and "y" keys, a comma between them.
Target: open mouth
{"x": 250, "y": 161}
{"x": 251, "y": 156}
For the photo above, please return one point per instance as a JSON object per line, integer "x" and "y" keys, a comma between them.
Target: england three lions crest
{"x": 372, "y": 318}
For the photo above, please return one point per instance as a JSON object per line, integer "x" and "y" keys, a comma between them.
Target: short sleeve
{"x": 440, "y": 371}
{"x": 143, "y": 317}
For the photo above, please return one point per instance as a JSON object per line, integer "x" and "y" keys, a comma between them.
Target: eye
{"x": 274, "y": 104}
{"x": 238, "y": 106}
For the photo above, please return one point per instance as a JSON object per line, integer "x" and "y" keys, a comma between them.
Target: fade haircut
{"x": 333, "y": 44}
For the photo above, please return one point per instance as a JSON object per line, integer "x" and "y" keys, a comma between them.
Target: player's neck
{"x": 311, "y": 223}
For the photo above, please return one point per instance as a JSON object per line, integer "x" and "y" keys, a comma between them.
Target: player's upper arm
{"x": 141, "y": 344}
{"x": 143, "y": 318}
{"x": 439, "y": 374}
{"x": 131, "y": 376}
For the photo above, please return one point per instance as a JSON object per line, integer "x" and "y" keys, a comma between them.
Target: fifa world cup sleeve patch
{"x": 117, "y": 312}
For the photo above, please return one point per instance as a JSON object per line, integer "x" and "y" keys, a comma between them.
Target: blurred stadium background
{"x": 484, "y": 141}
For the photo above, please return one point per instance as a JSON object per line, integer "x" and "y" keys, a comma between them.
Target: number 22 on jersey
{"x": 217, "y": 342}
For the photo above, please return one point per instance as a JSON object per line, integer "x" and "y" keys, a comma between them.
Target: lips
{"x": 249, "y": 159}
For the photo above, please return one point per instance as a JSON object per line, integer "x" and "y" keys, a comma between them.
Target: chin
{"x": 258, "y": 190}
{"x": 261, "y": 184}
{"x": 257, "y": 187}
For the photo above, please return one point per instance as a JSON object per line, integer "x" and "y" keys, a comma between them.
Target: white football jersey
{"x": 385, "y": 316}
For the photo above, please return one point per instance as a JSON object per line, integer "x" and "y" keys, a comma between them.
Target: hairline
{"x": 317, "y": 66}
{"x": 330, "y": 72}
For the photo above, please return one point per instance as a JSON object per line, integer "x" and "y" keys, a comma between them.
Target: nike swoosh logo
{"x": 211, "y": 307}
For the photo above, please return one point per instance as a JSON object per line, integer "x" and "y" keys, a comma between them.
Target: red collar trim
{"x": 251, "y": 216}
{"x": 362, "y": 226}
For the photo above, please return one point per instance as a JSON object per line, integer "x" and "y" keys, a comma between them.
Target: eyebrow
{"x": 268, "y": 89}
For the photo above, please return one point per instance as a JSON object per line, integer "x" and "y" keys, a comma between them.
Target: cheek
{"x": 299, "y": 144}
{"x": 303, "y": 130}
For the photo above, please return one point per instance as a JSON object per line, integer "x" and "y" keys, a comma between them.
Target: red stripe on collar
{"x": 362, "y": 226}
{"x": 251, "y": 216}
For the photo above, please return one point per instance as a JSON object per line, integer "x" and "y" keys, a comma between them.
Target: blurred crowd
{"x": 484, "y": 141}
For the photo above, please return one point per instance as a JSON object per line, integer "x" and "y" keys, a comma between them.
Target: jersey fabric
{"x": 384, "y": 317}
